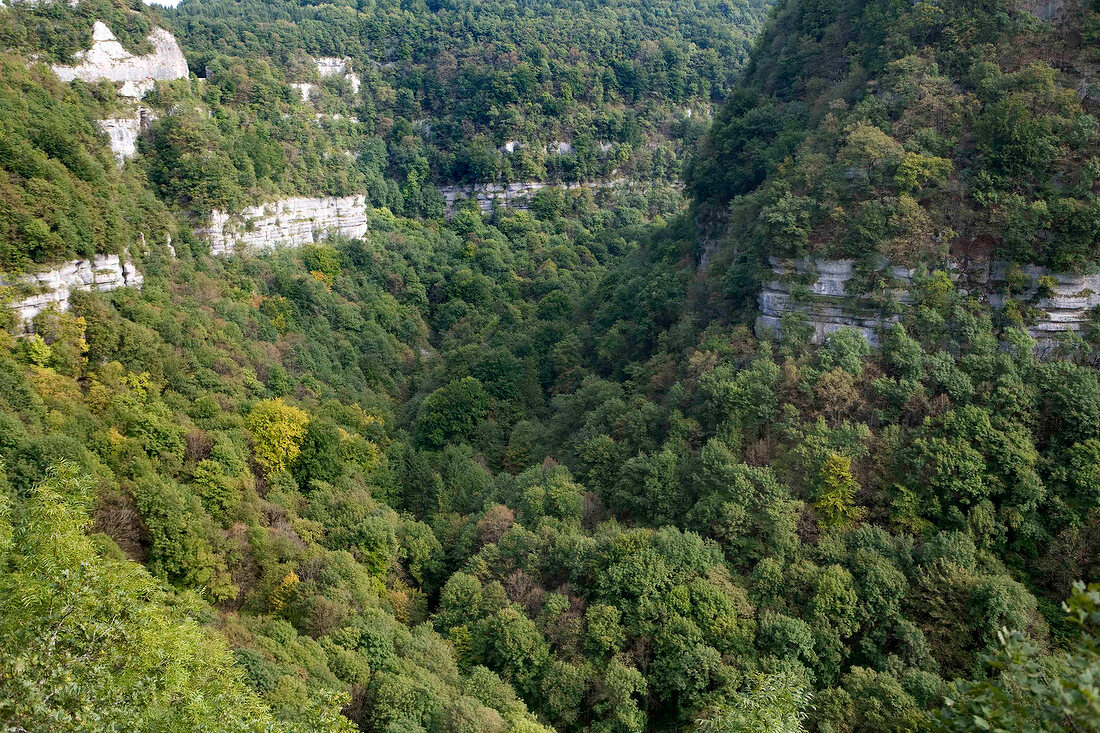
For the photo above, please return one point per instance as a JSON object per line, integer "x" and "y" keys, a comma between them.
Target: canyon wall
{"x": 102, "y": 272}
{"x": 1062, "y": 303}
{"x": 294, "y": 222}
{"x": 123, "y": 132}
{"x": 107, "y": 60}
{"x": 290, "y": 222}
{"x": 509, "y": 195}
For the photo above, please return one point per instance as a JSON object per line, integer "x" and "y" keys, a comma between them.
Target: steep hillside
{"x": 61, "y": 195}
{"x": 499, "y": 91}
{"x": 914, "y": 130}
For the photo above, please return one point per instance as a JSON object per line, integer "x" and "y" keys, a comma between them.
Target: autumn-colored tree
{"x": 836, "y": 493}
{"x": 88, "y": 642}
{"x": 277, "y": 431}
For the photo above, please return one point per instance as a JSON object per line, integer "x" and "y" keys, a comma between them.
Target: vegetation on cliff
{"x": 911, "y": 130}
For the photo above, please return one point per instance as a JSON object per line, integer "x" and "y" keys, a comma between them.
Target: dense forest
{"x": 911, "y": 130}
{"x": 533, "y": 470}
{"x": 626, "y": 85}
{"x": 611, "y": 92}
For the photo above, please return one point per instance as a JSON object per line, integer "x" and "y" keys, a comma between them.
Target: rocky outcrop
{"x": 825, "y": 300}
{"x": 123, "y": 133}
{"x": 107, "y": 60}
{"x": 71, "y": 3}
{"x": 1059, "y": 301}
{"x": 1043, "y": 9}
{"x": 53, "y": 287}
{"x": 329, "y": 66}
{"x": 304, "y": 88}
{"x": 291, "y": 222}
{"x": 1055, "y": 302}
{"x": 294, "y": 222}
{"x": 516, "y": 196}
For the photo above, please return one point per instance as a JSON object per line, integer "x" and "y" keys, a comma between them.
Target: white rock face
{"x": 330, "y": 66}
{"x": 508, "y": 195}
{"x": 103, "y": 272}
{"x": 71, "y": 3}
{"x": 108, "y": 60}
{"x": 1065, "y": 309}
{"x": 829, "y": 307}
{"x": 136, "y": 89}
{"x": 291, "y": 222}
{"x": 124, "y": 131}
{"x": 294, "y": 222}
{"x": 304, "y": 88}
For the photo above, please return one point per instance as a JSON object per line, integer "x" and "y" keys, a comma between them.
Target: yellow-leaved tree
{"x": 277, "y": 431}
{"x": 836, "y": 494}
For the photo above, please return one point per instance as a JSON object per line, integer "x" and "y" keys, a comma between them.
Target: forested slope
{"x": 421, "y": 98}
{"x": 913, "y": 130}
{"x": 626, "y": 85}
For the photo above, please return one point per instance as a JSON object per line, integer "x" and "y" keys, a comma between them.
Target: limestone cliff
{"x": 53, "y": 287}
{"x": 329, "y": 66}
{"x": 290, "y": 222}
{"x": 123, "y": 132}
{"x": 820, "y": 289}
{"x": 509, "y": 195}
{"x": 108, "y": 60}
{"x": 293, "y": 222}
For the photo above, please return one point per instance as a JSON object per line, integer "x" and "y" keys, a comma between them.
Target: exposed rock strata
{"x": 304, "y": 88}
{"x": 107, "y": 60}
{"x": 294, "y": 222}
{"x": 53, "y": 287}
{"x": 291, "y": 222}
{"x": 516, "y": 196}
{"x": 824, "y": 298}
{"x": 1046, "y": 10}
